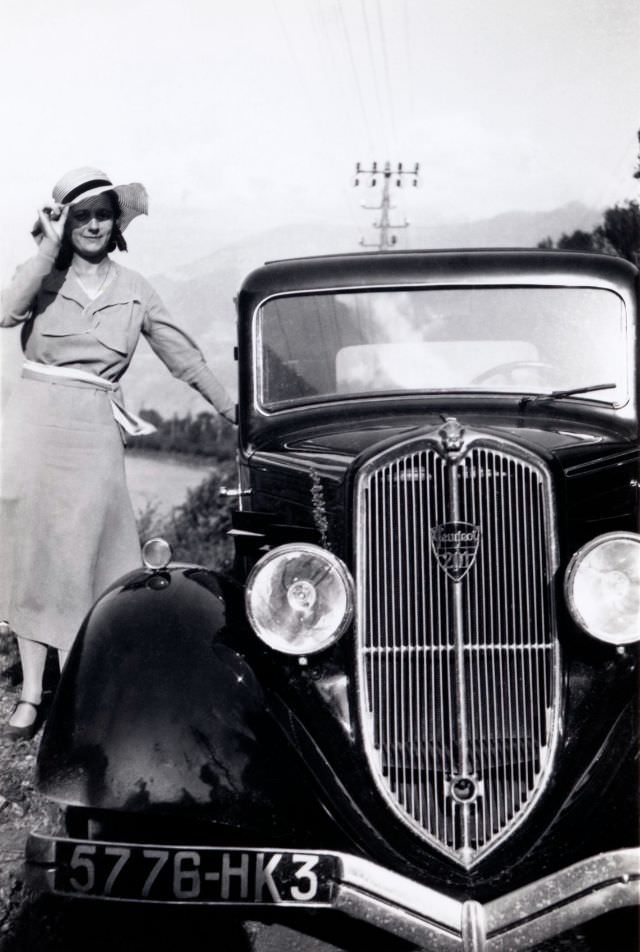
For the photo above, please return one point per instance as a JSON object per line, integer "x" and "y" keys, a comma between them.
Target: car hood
{"x": 338, "y": 446}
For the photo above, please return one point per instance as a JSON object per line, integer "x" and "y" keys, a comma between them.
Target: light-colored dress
{"x": 67, "y": 524}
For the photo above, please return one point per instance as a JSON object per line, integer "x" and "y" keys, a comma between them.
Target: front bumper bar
{"x": 432, "y": 920}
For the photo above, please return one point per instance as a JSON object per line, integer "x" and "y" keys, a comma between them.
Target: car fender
{"x": 156, "y": 710}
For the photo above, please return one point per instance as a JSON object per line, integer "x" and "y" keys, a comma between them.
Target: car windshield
{"x": 319, "y": 347}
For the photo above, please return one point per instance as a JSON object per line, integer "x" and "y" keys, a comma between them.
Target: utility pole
{"x": 386, "y": 174}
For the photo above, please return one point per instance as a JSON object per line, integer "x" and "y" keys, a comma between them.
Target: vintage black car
{"x": 411, "y": 703}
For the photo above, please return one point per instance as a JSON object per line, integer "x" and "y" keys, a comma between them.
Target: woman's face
{"x": 90, "y": 226}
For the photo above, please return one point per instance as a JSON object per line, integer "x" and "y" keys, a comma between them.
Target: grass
{"x": 22, "y": 808}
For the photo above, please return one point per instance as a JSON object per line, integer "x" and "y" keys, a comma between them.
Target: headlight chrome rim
{"x": 577, "y": 563}
{"x": 300, "y": 590}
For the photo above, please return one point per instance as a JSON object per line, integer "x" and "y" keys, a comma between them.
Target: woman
{"x": 68, "y": 524}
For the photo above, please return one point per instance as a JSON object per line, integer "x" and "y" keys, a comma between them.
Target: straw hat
{"x": 87, "y": 182}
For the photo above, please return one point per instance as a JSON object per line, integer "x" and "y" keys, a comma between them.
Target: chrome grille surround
{"x": 458, "y": 658}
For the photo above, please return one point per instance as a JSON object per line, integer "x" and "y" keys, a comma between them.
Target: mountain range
{"x": 200, "y": 294}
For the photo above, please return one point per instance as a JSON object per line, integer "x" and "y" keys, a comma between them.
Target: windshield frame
{"x": 475, "y": 281}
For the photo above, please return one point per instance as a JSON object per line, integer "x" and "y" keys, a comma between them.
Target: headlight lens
{"x": 299, "y": 598}
{"x": 602, "y": 587}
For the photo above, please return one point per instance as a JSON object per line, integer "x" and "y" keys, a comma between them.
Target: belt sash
{"x": 70, "y": 377}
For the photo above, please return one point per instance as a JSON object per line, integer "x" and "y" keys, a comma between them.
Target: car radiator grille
{"x": 458, "y": 664}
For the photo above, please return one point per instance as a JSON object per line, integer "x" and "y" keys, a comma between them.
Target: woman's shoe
{"x": 30, "y": 730}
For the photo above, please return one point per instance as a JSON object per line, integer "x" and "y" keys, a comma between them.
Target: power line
{"x": 292, "y": 51}
{"x": 409, "y": 55}
{"x": 385, "y": 60}
{"x": 354, "y": 70}
{"x": 335, "y": 33}
{"x": 372, "y": 58}
{"x": 301, "y": 77}
{"x": 332, "y": 65}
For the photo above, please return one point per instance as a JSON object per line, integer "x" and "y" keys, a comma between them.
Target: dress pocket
{"x": 115, "y": 326}
{"x": 113, "y": 336}
{"x": 60, "y": 324}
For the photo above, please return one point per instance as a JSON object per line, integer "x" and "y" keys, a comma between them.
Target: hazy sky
{"x": 245, "y": 116}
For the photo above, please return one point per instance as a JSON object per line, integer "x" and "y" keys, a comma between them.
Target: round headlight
{"x": 602, "y": 587}
{"x": 156, "y": 554}
{"x": 299, "y": 598}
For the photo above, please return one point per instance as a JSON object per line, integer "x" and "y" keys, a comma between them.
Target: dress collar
{"x": 64, "y": 283}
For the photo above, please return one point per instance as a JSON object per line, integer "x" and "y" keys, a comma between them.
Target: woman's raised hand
{"x": 52, "y": 220}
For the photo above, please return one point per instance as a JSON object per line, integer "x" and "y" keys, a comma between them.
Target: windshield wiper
{"x": 559, "y": 394}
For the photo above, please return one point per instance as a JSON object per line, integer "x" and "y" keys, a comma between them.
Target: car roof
{"x": 390, "y": 268}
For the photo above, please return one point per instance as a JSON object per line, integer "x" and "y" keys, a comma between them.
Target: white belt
{"x": 129, "y": 421}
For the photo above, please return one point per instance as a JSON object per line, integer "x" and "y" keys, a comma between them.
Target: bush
{"x": 202, "y": 435}
{"x": 197, "y": 529}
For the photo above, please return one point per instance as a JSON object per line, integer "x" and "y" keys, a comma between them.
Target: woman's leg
{"x": 33, "y": 655}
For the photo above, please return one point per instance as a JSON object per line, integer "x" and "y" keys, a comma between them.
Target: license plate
{"x": 206, "y": 875}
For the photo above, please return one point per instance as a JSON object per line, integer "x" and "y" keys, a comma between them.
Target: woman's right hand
{"x": 52, "y": 220}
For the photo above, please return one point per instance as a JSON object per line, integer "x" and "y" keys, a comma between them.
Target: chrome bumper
{"x": 436, "y": 922}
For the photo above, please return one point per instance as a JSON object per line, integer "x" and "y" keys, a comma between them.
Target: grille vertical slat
{"x": 416, "y": 660}
{"x": 458, "y": 673}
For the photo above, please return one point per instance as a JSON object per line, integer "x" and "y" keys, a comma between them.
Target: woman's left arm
{"x": 183, "y": 357}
